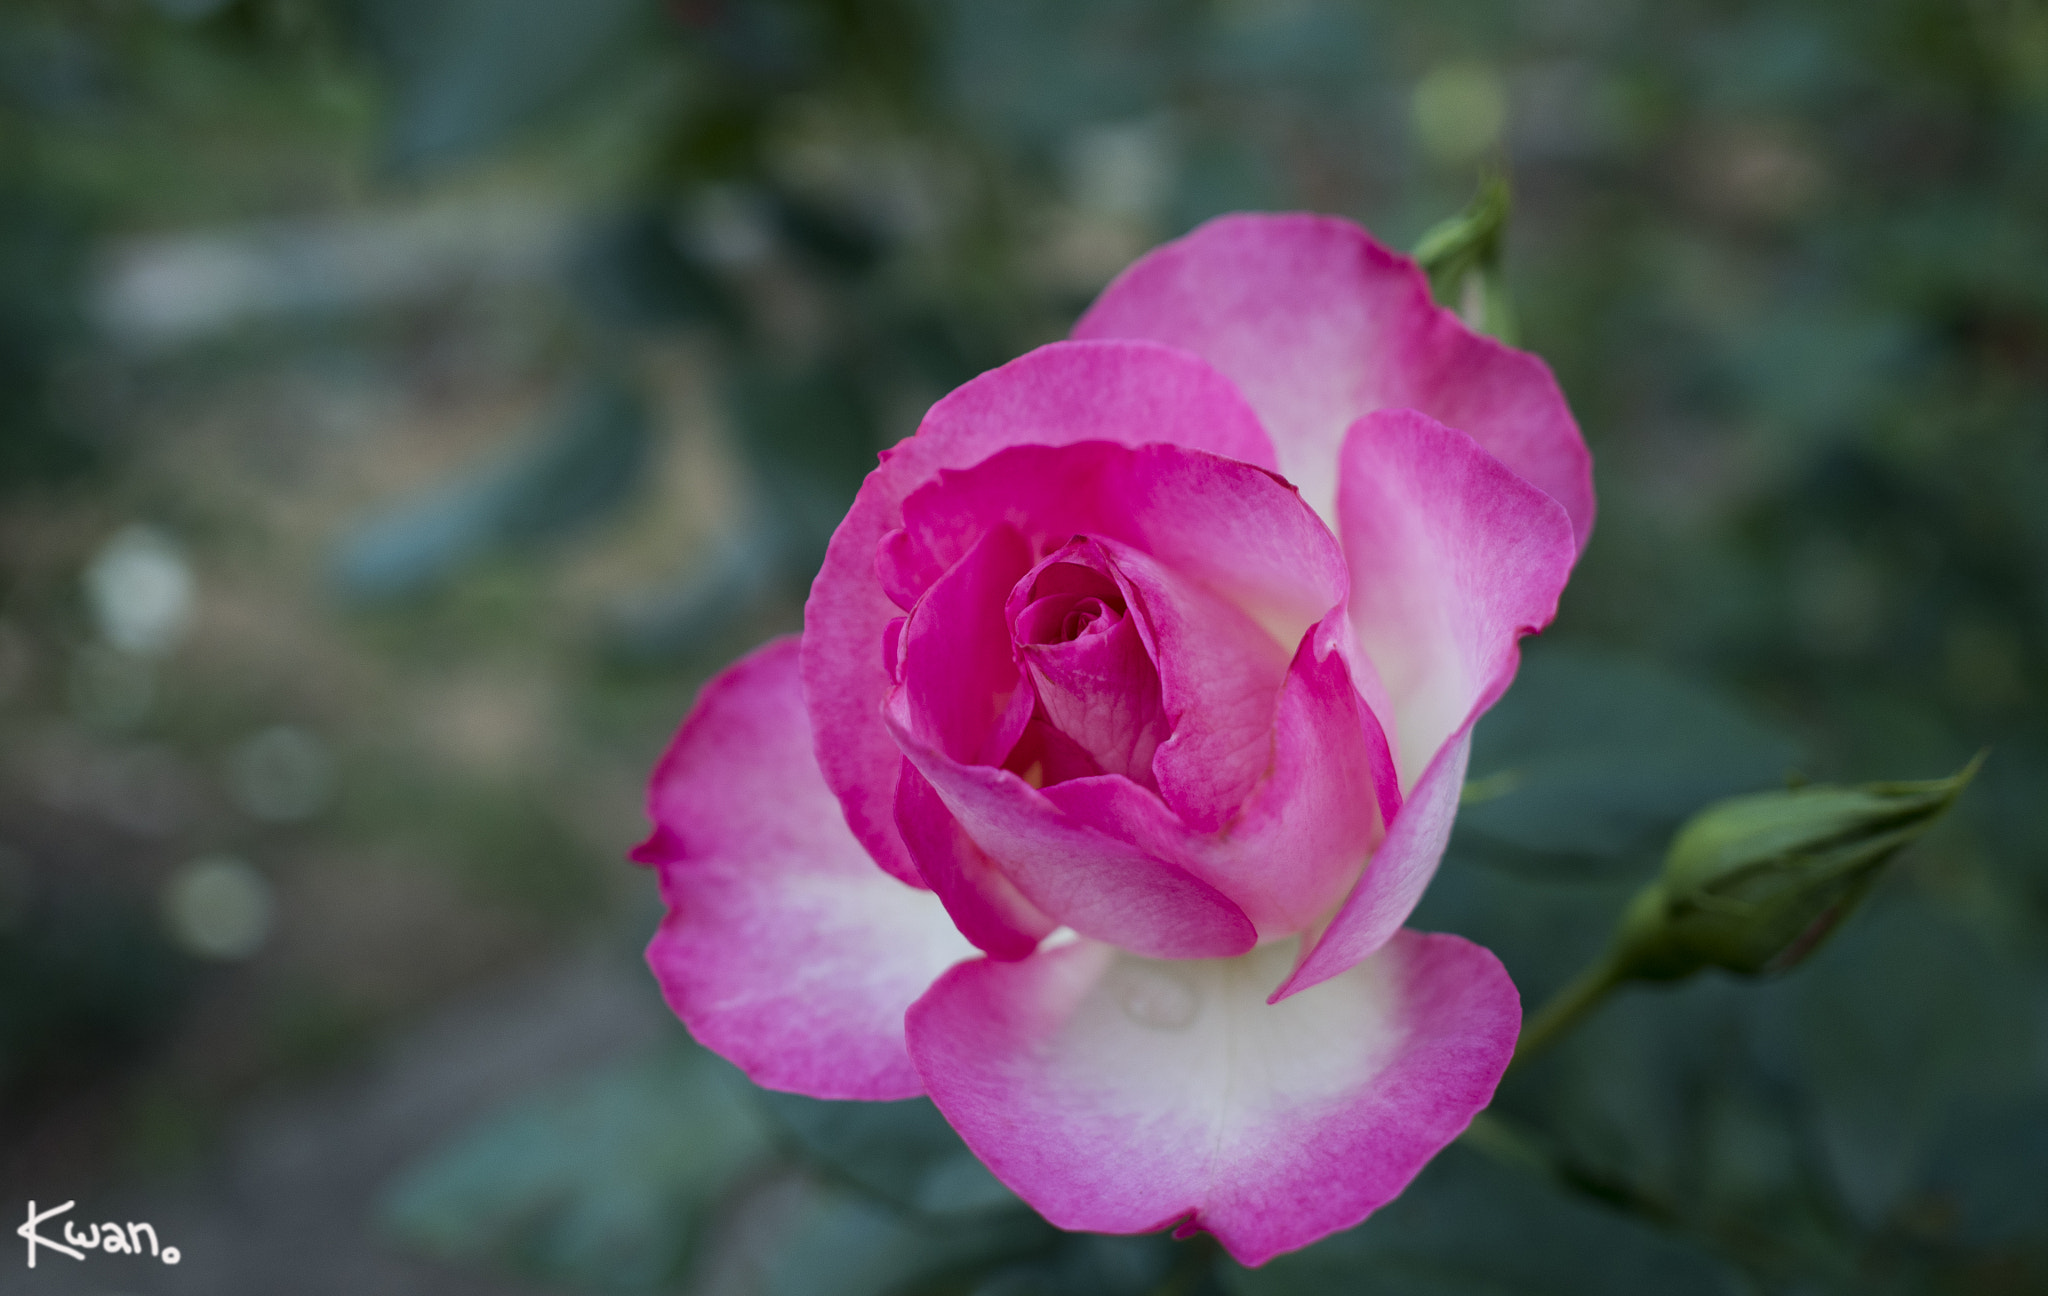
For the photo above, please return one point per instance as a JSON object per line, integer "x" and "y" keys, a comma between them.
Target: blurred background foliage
{"x": 404, "y": 406}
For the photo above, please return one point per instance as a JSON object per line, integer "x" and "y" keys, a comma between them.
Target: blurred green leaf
{"x": 1590, "y": 761}
{"x": 1544, "y": 929}
{"x": 1904, "y": 1021}
{"x": 467, "y": 74}
{"x": 43, "y": 241}
{"x": 903, "y": 1152}
{"x": 1094, "y": 1264}
{"x": 809, "y": 433}
{"x": 846, "y": 1245}
{"x": 1468, "y": 1226}
{"x": 87, "y": 982}
{"x": 832, "y": 239}
{"x": 1658, "y": 1095}
{"x": 606, "y": 1183}
{"x": 633, "y": 271}
{"x": 585, "y": 463}
{"x": 1986, "y": 1178}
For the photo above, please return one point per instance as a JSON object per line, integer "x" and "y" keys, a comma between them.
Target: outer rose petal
{"x": 1133, "y": 393}
{"x": 1397, "y": 876}
{"x": 1319, "y": 324}
{"x": 785, "y": 949}
{"x": 1121, "y": 1095}
{"x": 1453, "y": 559}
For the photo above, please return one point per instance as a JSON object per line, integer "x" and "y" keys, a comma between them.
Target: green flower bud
{"x": 1462, "y": 257}
{"x": 1754, "y": 884}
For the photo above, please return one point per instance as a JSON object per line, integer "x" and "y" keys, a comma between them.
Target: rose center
{"x": 1096, "y": 708}
{"x": 1068, "y": 602}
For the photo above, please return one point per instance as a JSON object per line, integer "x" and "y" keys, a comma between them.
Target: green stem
{"x": 1508, "y": 1143}
{"x": 1566, "y": 1007}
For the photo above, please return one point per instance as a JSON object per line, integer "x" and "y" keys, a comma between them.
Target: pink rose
{"x": 1127, "y": 726}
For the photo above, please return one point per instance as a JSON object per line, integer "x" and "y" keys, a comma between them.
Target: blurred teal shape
{"x": 1987, "y": 1168}
{"x": 1591, "y": 760}
{"x": 806, "y": 433}
{"x": 610, "y": 1182}
{"x": 715, "y": 595}
{"x": 1468, "y": 1226}
{"x": 902, "y": 1152}
{"x": 605, "y": 1184}
{"x": 634, "y": 270}
{"x": 1031, "y": 74}
{"x": 468, "y": 74}
{"x": 584, "y": 463}
{"x": 1909, "y": 1023}
{"x": 840, "y": 1244}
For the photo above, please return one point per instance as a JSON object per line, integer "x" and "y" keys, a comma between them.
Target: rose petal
{"x": 1045, "y": 756}
{"x": 1228, "y": 526}
{"x": 785, "y": 949}
{"x": 1397, "y": 876}
{"x": 1121, "y": 1095}
{"x": 1220, "y": 674}
{"x": 1129, "y": 392}
{"x": 1097, "y": 685}
{"x": 1318, "y": 324}
{"x": 959, "y": 674}
{"x": 1075, "y": 874}
{"x": 986, "y": 906}
{"x": 1307, "y": 830}
{"x": 1454, "y": 559}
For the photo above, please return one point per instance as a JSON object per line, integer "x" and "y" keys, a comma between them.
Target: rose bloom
{"x": 1127, "y": 726}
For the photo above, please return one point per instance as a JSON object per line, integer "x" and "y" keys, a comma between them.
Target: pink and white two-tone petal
{"x": 1318, "y": 324}
{"x": 1453, "y": 560}
{"x": 1128, "y": 392}
{"x": 1394, "y": 881}
{"x": 785, "y": 949}
{"x": 1123, "y": 1095}
{"x": 1129, "y": 724}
